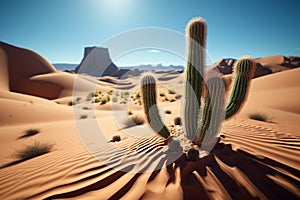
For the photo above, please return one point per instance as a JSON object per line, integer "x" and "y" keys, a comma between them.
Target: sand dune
{"x": 252, "y": 160}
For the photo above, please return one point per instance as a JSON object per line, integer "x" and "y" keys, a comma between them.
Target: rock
{"x": 96, "y": 62}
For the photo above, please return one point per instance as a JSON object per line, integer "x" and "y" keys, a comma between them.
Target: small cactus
{"x": 148, "y": 91}
{"x": 193, "y": 154}
{"x": 196, "y": 39}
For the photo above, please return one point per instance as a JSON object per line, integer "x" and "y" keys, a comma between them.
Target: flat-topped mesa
{"x": 96, "y": 62}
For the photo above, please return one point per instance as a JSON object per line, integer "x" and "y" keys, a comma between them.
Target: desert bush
{"x": 137, "y": 95}
{"x": 71, "y": 103}
{"x": 172, "y": 100}
{"x": 178, "y": 96}
{"x": 129, "y": 112}
{"x": 34, "y": 150}
{"x": 162, "y": 94}
{"x": 86, "y": 108}
{"x": 171, "y": 91}
{"x": 177, "y": 121}
{"x": 93, "y": 94}
{"x": 259, "y": 116}
{"x": 83, "y": 116}
{"x": 31, "y": 132}
{"x": 110, "y": 92}
{"x": 168, "y": 112}
{"x": 114, "y": 99}
{"x": 116, "y": 138}
{"x": 78, "y": 99}
{"x": 97, "y": 100}
{"x": 134, "y": 120}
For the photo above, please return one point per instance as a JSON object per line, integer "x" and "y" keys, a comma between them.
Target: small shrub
{"x": 78, "y": 99}
{"x": 93, "y": 94}
{"x": 103, "y": 101}
{"x": 123, "y": 102}
{"x": 171, "y": 91}
{"x": 178, "y": 96}
{"x": 162, "y": 94}
{"x": 110, "y": 92}
{"x": 71, "y": 103}
{"x": 168, "y": 112}
{"x": 31, "y": 132}
{"x": 134, "y": 120}
{"x": 97, "y": 100}
{"x": 166, "y": 99}
{"x": 259, "y": 116}
{"x": 116, "y": 138}
{"x": 83, "y": 116}
{"x": 137, "y": 95}
{"x": 126, "y": 93}
{"x": 33, "y": 150}
{"x": 172, "y": 100}
{"x": 115, "y": 99}
{"x": 86, "y": 108}
{"x": 177, "y": 121}
{"x": 129, "y": 112}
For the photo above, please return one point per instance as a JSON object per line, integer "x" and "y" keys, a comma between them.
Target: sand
{"x": 252, "y": 160}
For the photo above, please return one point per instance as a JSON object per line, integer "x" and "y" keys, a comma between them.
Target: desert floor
{"x": 253, "y": 159}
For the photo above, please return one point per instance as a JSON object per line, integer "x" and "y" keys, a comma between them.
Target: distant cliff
{"x": 96, "y": 62}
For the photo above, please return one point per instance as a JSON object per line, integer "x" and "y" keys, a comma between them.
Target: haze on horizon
{"x": 59, "y": 30}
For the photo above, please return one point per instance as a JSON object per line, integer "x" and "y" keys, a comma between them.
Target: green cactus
{"x": 212, "y": 110}
{"x": 204, "y": 103}
{"x": 196, "y": 39}
{"x": 243, "y": 72}
{"x": 148, "y": 91}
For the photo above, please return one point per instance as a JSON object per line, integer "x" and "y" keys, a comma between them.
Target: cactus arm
{"x": 212, "y": 111}
{"x": 148, "y": 90}
{"x": 243, "y": 73}
{"x": 196, "y": 39}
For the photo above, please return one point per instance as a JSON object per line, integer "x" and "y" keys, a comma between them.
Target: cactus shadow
{"x": 258, "y": 171}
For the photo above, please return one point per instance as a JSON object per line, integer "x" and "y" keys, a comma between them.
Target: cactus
{"x": 204, "y": 103}
{"x": 148, "y": 91}
{"x": 196, "y": 39}
{"x": 243, "y": 72}
{"x": 212, "y": 108}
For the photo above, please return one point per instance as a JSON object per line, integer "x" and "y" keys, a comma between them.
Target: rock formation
{"x": 266, "y": 65}
{"x": 96, "y": 62}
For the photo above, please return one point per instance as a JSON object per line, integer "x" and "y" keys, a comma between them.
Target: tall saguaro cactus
{"x": 194, "y": 72}
{"x": 148, "y": 91}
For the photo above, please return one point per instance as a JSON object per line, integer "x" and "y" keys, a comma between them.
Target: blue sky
{"x": 60, "y": 29}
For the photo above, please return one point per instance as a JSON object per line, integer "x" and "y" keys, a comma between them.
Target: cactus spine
{"x": 148, "y": 90}
{"x": 243, "y": 73}
{"x": 196, "y": 39}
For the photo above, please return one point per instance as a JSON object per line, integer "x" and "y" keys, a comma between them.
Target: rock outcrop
{"x": 265, "y": 66}
{"x": 96, "y": 62}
